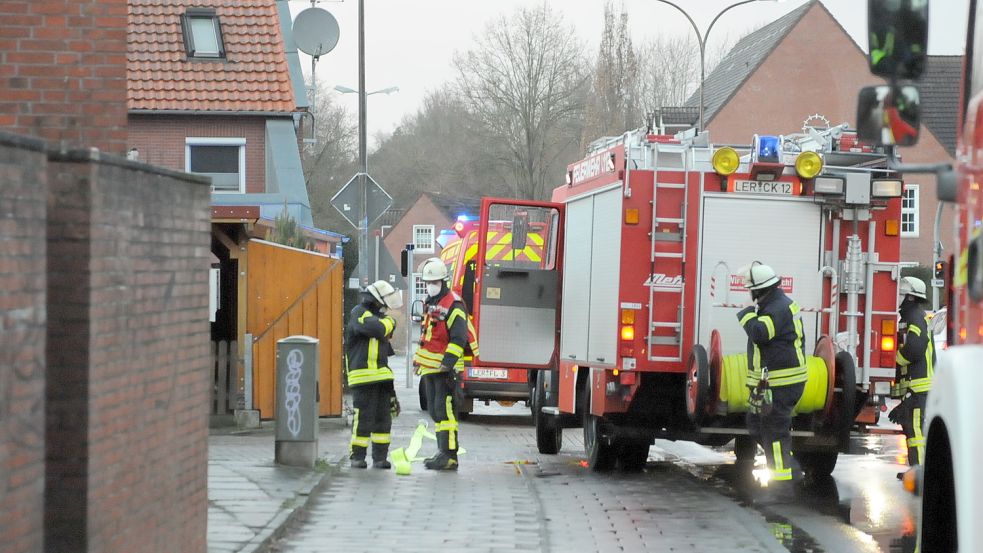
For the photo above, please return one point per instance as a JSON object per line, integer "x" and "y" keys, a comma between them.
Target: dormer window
{"x": 202, "y": 33}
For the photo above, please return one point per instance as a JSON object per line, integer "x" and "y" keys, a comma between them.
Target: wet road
{"x": 508, "y": 497}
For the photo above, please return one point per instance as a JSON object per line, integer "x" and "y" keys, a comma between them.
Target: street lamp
{"x": 702, "y": 40}
{"x": 346, "y": 90}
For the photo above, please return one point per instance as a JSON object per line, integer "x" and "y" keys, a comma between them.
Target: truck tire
{"x": 817, "y": 464}
{"x": 845, "y": 400}
{"x": 599, "y": 448}
{"x": 697, "y": 385}
{"x": 549, "y": 432}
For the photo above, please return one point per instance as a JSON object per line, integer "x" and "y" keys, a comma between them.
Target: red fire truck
{"x": 630, "y": 320}
{"x": 951, "y": 483}
{"x": 503, "y": 384}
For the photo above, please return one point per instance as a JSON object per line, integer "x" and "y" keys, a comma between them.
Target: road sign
{"x": 937, "y": 283}
{"x": 349, "y": 203}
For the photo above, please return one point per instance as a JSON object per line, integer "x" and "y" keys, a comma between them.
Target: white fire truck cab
{"x": 632, "y": 323}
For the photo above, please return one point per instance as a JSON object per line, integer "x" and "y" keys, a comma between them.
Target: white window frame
{"x": 219, "y": 141}
{"x": 419, "y": 287}
{"x": 913, "y": 211}
{"x": 433, "y": 238}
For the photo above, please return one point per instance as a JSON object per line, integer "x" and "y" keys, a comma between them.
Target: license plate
{"x": 488, "y": 373}
{"x": 764, "y": 187}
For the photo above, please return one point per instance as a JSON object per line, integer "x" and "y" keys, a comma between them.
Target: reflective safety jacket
{"x": 916, "y": 356}
{"x": 447, "y": 334}
{"x": 367, "y": 348}
{"x": 775, "y": 340}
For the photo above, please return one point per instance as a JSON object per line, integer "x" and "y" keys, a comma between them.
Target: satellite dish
{"x": 316, "y": 31}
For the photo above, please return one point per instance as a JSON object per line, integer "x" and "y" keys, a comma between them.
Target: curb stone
{"x": 266, "y": 540}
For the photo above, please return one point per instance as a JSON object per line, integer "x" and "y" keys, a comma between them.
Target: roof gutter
{"x": 208, "y": 112}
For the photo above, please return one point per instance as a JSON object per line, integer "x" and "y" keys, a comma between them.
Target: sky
{"x": 411, "y": 45}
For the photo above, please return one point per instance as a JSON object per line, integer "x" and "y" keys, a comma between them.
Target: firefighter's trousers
{"x": 442, "y": 404}
{"x": 912, "y": 421}
{"x": 772, "y": 429}
{"x": 373, "y": 421}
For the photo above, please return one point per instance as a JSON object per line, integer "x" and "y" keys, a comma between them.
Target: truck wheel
{"x": 697, "y": 384}
{"x": 817, "y": 464}
{"x": 601, "y": 454}
{"x": 633, "y": 455}
{"x": 423, "y": 396}
{"x": 844, "y": 400}
{"x": 549, "y": 433}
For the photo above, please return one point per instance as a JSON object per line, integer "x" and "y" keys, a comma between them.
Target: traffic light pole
{"x": 937, "y": 259}
{"x": 363, "y": 222}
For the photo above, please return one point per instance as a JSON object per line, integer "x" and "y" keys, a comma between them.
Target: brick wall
{"x": 22, "y": 339}
{"x": 160, "y": 140}
{"x": 128, "y": 360}
{"x": 63, "y": 71}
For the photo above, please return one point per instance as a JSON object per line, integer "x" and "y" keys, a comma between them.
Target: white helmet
{"x": 911, "y": 286}
{"x": 385, "y": 294}
{"x": 759, "y": 276}
{"x": 433, "y": 269}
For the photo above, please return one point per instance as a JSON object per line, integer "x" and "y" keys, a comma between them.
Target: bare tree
{"x": 669, "y": 68}
{"x": 330, "y": 161}
{"x": 521, "y": 84}
{"x": 612, "y": 107}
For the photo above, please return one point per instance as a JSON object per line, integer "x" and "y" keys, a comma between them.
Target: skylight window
{"x": 202, "y": 33}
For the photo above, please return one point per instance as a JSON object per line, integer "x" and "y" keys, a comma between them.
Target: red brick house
{"x": 806, "y": 64}
{"x": 215, "y": 88}
{"x": 421, "y": 225}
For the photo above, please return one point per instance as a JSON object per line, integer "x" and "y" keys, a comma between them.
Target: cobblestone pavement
{"x": 507, "y": 497}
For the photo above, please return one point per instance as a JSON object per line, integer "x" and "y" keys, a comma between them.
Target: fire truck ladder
{"x": 668, "y": 250}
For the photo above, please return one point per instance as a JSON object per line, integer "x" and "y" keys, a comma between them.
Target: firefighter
{"x": 447, "y": 335}
{"x": 915, "y": 367}
{"x": 367, "y": 351}
{"x": 776, "y": 367}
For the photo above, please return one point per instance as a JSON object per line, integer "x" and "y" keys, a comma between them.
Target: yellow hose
{"x": 734, "y": 392}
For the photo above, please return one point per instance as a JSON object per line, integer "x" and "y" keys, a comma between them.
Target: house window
{"x": 909, "y": 211}
{"x": 419, "y": 287}
{"x": 423, "y": 238}
{"x": 202, "y": 34}
{"x": 223, "y": 159}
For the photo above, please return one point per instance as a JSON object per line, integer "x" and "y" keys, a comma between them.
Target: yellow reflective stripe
{"x": 424, "y": 353}
{"x": 365, "y": 376}
{"x": 451, "y": 423}
{"x": 388, "y": 323}
{"x": 914, "y": 328}
{"x": 360, "y": 441}
{"x": 532, "y": 254}
{"x": 379, "y": 438}
{"x": 747, "y": 318}
{"x": 536, "y": 238}
{"x": 776, "y": 452}
{"x": 920, "y": 385}
{"x": 373, "y": 358}
{"x": 455, "y": 313}
{"x": 364, "y": 316}
{"x": 455, "y": 349}
{"x": 799, "y": 338}
{"x": 781, "y": 475}
{"x": 794, "y": 308}
{"x": 900, "y": 359}
{"x": 769, "y": 325}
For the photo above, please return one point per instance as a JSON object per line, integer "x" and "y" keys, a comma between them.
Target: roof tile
{"x": 161, "y": 77}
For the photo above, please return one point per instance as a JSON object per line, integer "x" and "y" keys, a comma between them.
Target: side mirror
{"x": 889, "y": 115}
{"x": 939, "y": 321}
{"x": 520, "y": 230}
{"x": 897, "y": 32}
{"x": 416, "y": 311}
{"x": 947, "y": 189}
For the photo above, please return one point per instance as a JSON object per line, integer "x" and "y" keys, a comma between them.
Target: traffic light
{"x": 939, "y": 269}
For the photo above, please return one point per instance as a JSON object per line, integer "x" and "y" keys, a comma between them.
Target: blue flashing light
{"x": 463, "y": 218}
{"x": 769, "y": 148}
